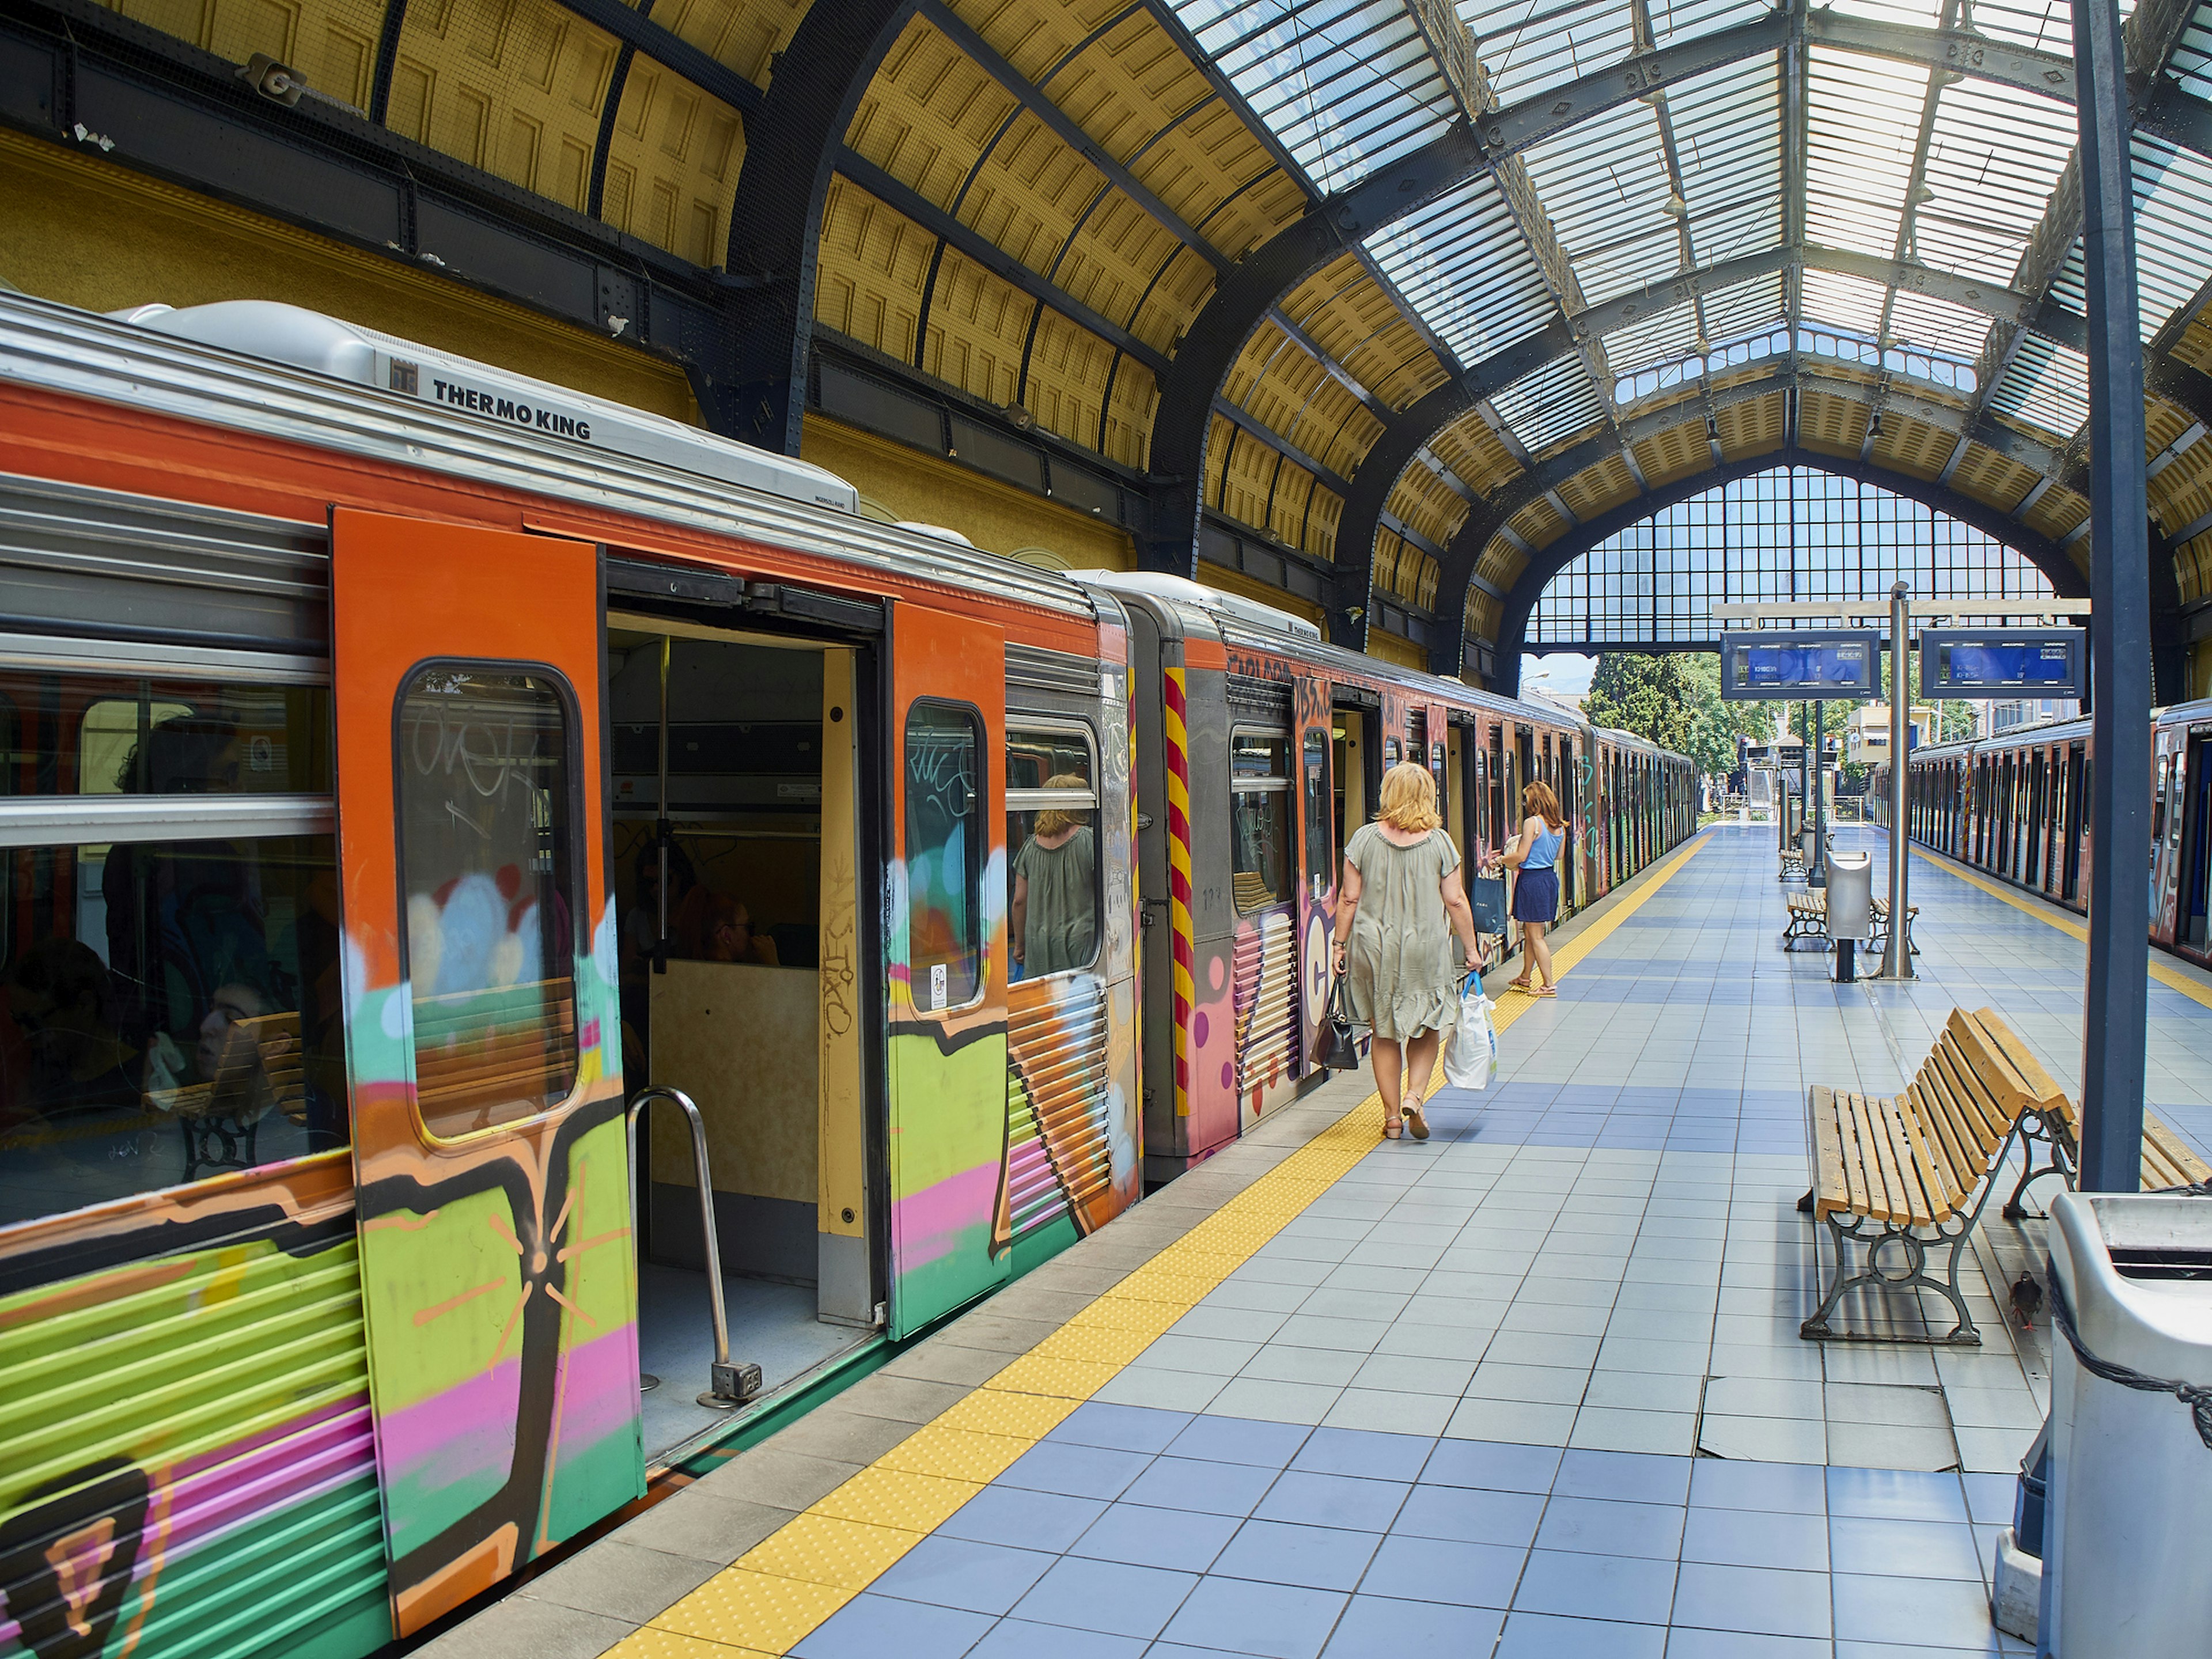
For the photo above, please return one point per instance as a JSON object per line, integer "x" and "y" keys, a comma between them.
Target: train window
{"x": 487, "y": 861}
{"x": 944, "y": 785}
{"x": 170, "y": 976}
{"x": 1319, "y": 828}
{"x": 1053, "y": 896}
{"x": 1260, "y": 864}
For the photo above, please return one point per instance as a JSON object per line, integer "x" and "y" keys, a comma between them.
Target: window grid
{"x": 1790, "y": 534}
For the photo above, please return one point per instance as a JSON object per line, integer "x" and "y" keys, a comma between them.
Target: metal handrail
{"x": 729, "y": 1385}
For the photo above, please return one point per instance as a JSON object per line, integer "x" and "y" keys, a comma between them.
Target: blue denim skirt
{"x": 1536, "y": 895}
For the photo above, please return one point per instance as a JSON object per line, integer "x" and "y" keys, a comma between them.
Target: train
{"x": 494, "y": 873}
{"x": 2016, "y": 807}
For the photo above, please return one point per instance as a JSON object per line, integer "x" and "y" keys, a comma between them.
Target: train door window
{"x": 172, "y": 1008}
{"x": 1392, "y": 754}
{"x": 1416, "y": 736}
{"x": 1440, "y": 769}
{"x": 1501, "y": 827}
{"x": 2191, "y": 919}
{"x": 1054, "y": 898}
{"x": 1320, "y": 827}
{"x": 486, "y": 862}
{"x": 944, "y": 855}
{"x": 1260, "y": 867}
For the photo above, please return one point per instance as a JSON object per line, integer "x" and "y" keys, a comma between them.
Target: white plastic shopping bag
{"x": 1471, "y": 1062}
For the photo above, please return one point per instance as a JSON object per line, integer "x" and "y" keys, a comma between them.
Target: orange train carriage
{"x": 409, "y": 764}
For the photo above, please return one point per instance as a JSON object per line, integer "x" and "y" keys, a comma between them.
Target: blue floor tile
{"x": 1597, "y": 1587}
{"x": 958, "y": 1572}
{"x": 1438, "y": 1569}
{"x": 1470, "y": 1514}
{"x": 1143, "y": 1537}
{"x": 1598, "y": 1526}
{"x": 1018, "y": 1639}
{"x": 1757, "y": 1538}
{"x": 1240, "y": 1440}
{"x": 1365, "y": 1452}
{"x": 1074, "y": 1471}
{"x": 1334, "y": 1500}
{"x": 1737, "y": 1644}
{"x": 1903, "y": 1549}
{"x": 1277, "y": 1621}
{"x": 1636, "y": 1477}
{"x": 1377, "y": 1628}
{"x": 1896, "y": 1495}
{"x": 869, "y": 1626}
{"x": 1938, "y": 1612}
{"x": 1017, "y": 1516}
{"x": 1123, "y": 1428}
{"x": 1278, "y": 1553}
{"x": 1188, "y": 1483}
{"x": 1544, "y": 1636}
{"x": 1760, "y": 1600}
{"x": 1102, "y": 1596}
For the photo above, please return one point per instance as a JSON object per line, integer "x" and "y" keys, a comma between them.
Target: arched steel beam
{"x": 792, "y": 146}
{"x": 2047, "y": 556}
{"x": 1339, "y": 225}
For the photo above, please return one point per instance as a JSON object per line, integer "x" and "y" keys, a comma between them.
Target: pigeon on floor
{"x": 2026, "y": 1297}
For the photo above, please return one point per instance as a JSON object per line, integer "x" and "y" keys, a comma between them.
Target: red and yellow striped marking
{"x": 1179, "y": 888}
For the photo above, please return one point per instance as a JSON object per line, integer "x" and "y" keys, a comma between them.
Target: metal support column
{"x": 1816, "y": 874}
{"x": 1897, "y": 945}
{"x": 2119, "y": 618}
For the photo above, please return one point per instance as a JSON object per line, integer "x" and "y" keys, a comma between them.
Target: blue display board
{"x": 2014, "y": 662}
{"x": 1801, "y": 666}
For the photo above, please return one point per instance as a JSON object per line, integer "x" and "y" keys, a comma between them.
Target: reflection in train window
{"x": 172, "y": 997}
{"x": 486, "y": 860}
{"x": 1261, "y": 870}
{"x": 1053, "y": 896}
{"x": 945, "y": 834}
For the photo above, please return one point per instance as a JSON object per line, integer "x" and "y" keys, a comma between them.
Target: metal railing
{"x": 729, "y": 1385}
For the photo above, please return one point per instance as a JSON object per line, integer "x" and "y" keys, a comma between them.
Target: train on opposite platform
{"x": 2016, "y": 807}
{"x": 410, "y": 769}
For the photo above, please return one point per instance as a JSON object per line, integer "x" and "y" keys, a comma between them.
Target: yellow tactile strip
{"x": 2172, "y": 978}
{"x": 780, "y": 1591}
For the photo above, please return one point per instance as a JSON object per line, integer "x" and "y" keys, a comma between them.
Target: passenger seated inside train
{"x": 1052, "y": 914}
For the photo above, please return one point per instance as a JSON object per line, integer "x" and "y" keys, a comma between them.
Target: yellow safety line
{"x": 2172, "y": 978}
{"x": 779, "y": 1592}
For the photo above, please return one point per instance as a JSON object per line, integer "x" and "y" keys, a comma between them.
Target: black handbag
{"x": 1336, "y": 1045}
{"x": 1485, "y": 896}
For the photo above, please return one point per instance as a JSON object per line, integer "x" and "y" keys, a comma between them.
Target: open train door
{"x": 1319, "y": 857}
{"x": 949, "y": 1223}
{"x": 482, "y": 1048}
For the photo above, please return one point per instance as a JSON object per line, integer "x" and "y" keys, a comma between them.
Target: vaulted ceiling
{"x": 1395, "y": 305}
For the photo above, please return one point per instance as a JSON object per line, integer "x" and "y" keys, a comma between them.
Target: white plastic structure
{"x": 2130, "y": 1494}
{"x": 470, "y": 393}
{"x": 1159, "y": 584}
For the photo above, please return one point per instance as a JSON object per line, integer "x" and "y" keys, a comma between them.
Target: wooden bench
{"x": 1879, "y": 916}
{"x": 2167, "y": 1160}
{"x": 1906, "y": 1176}
{"x": 1808, "y": 919}
{"x": 1793, "y": 865}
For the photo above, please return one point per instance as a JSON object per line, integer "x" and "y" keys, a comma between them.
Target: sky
{"x": 1566, "y": 674}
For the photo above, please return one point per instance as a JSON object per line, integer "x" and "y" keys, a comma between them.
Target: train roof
{"x": 668, "y": 472}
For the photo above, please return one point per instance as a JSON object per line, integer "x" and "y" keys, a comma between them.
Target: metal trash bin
{"x": 1851, "y": 909}
{"x": 2131, "y": 1489}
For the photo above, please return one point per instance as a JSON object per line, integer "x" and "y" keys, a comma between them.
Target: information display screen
{"x": 1800, "y": 666}
{"x": 2034, "y": 662}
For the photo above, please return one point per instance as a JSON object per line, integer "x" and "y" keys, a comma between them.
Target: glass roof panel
{"x": 1604, "y": 183}
{"x": 1916, "y": 320}
{"x": 2173, "y": 230}
{"x": 1746, "y": 308}
{"x": 1863, "y": 115}
{"x": 2192, "y": 64}
{"x": 1848, "y": 303}
{"x": 1918, "y": 14}
{"x": 1728, "y": 140}
{"x": 1556, "y": 401}
{"x": 2047, "y": 385}
{"x": 1345, "y": 85}
{"x": 1461, "y": 264}
{"x": 1665, "y": 337}
{"x": 1994, "y": 158}
{"x": 1528, "y": 46}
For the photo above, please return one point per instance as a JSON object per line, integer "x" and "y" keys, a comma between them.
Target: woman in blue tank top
{"x": 1535, "y": 853}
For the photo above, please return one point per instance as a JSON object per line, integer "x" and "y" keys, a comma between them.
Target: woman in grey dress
{"x": 1400, "y": 904}
{"x": 1053, "y": 918}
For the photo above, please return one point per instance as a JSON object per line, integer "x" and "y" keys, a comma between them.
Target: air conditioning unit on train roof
{"x": 1158, "y": 584}
{"x": 465, "y": 392}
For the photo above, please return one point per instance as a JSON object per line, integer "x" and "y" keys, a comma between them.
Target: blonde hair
{"x": 1408, "y": 801}
{"x": 1538, "y": 797}
{"x": 1054, "y": 819}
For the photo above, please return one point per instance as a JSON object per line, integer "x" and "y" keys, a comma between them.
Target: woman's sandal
{"x": 1415, "y": 1122}
{"x": 1545, "y": 991}
{"x": 1518, "y": 984}
{"x": 1393, "y": 1128}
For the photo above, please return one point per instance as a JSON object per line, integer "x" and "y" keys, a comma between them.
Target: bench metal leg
{"x": 2058, "y": 1165}
{"x": 1911, "y": 1274}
